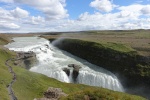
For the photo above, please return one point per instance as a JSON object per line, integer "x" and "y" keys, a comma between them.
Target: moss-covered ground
{"x": 5, "y": 76}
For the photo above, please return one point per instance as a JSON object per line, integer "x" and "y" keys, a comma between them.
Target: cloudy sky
{"x": 73, "y": 15}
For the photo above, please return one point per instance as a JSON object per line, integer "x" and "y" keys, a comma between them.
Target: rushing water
{"x": 51, "y": 61}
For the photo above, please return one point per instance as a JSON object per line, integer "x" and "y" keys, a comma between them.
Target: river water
{"x": 51, "y": 62}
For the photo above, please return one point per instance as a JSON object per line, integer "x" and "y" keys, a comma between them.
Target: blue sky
{"x": 73, "y": 15}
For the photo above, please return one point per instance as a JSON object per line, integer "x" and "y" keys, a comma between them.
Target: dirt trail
{"x": 9, "y": 87}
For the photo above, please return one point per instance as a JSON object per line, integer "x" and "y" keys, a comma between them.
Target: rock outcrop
{"x": 75, "y": 71}
{"x": 67, "y": 71}
{"x": 25, "y": 59}
{"x": 52, "y": 94}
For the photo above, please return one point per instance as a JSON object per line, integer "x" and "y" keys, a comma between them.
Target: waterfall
{"x": 51, "y": 62}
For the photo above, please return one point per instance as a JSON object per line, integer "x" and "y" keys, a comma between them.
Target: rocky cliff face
{"x": 131, "y": 68}
{"x": 25, "y": 59}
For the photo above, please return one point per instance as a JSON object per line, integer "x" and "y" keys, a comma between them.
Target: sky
{"x": 73, "y": 15}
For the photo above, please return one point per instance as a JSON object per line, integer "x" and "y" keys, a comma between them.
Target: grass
{"x": 100, "y": 94}
{"x": 136, "y": 39}
{"x": 5, "y": 76}
{"x": 4, "y": 39}
{"x": 117, "y": 47}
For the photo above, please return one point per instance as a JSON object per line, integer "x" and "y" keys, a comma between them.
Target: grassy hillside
{"x": 5, "y": 76}
{"x": 4, "y": 39}
{"x": 100, "y": 94}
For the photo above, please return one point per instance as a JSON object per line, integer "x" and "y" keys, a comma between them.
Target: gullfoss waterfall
{"x": 52, "y": 61}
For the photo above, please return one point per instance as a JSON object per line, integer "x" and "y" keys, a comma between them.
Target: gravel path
{"x": 9, "y": 87}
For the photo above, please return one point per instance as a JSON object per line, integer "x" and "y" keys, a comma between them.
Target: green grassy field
{"x": 31, "y": 85}
{"x": 138, "y": 40}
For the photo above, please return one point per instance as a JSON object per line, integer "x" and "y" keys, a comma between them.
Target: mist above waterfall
{"x": 52, "y": 61}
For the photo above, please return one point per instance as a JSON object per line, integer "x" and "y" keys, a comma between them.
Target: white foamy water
{"x": 52, "y": 61}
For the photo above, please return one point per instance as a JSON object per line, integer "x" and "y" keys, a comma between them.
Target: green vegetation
{"x": 134, "y": 33}
{"x": 5, "y": 76}
{"x": 100, "y": 94}
{"x": 4, "y": 39}
{"x": 107, "y": 45}
{"x": 116, "y": 46}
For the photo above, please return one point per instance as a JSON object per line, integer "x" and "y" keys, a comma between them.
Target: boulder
{"x": 74, "y": 66}
{"x": 52, "y": 94}
{"x": 75, "y": 71}
{"x": 75, "y": 74}
{"x": 67, "y": 71}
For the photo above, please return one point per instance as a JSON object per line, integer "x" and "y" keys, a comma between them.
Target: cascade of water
{"x": 52, "y": 61}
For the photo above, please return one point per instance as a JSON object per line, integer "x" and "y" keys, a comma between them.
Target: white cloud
{"x": 111, "y": 21}
{"x": 5, "y": 25}
{"x": 36, "y": 3}
{"x": 8, "y": 21}
{"x": 127, "y": 17}
{"x": 146, "y": 10}
{"x": 53, "y": 9}
{"x": 135, "y": 10}
{"x": 19, "y": 13}
{"x": 7, "y": 1}
{"x": 5, "y": 15}
{"x": 131, "y": 8}
{"x": 102, "y": 5}
{"x": 35, "y": 20}
{"x": 129, "y": 26}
